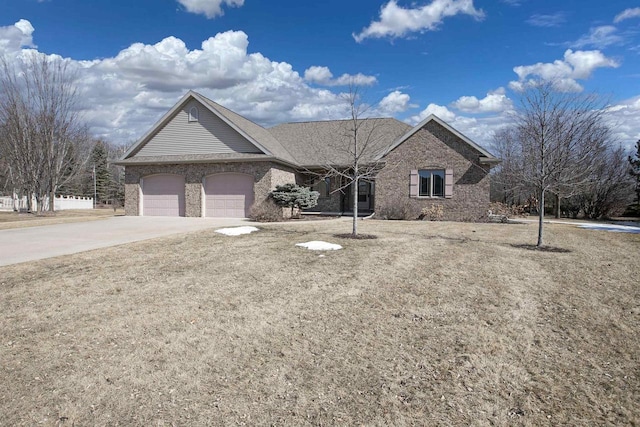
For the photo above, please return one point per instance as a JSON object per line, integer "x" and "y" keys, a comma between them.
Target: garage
{"x": 228, "y": 195}
{"x": 163, "y": 195}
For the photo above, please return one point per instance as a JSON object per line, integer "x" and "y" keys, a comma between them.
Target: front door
{"x": 364, "y": 195}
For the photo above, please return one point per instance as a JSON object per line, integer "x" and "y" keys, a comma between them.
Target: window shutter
{"x": 413, "y": 184}
{"x": 448, "y": 183}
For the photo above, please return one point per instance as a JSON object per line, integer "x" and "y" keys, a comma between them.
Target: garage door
{"x": 163, "y": 195}
{"x": 228, "y": 195}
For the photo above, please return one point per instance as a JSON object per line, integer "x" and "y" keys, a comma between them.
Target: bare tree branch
{"x": 42, "y": 138}
{"x": 554, "y": 145}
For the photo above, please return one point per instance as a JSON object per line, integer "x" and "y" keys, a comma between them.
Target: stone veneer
{"x": 434, "y": 147}
{"x": 332, "y": 201}
{"x": 266, "y": 176}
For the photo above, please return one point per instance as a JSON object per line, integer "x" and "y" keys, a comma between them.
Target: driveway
{"x": 34, "y": 243}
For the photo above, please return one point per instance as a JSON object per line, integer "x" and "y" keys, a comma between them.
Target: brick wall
{"x": 434, "y": 147}
{"x": 266, "y": 176}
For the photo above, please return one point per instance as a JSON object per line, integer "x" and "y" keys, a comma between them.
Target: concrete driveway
{"x": 34, "y": 243}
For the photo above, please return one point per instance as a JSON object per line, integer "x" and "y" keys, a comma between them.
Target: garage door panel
{"x": 228, "y": 195}
{"x": 163, "y": 195}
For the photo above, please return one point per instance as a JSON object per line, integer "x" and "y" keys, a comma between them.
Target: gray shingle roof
{"x": 328, "y": 142}
{"x": 194, "y": 158}
{"x": 255, "y": 131}
{"x": 306, "y": 144}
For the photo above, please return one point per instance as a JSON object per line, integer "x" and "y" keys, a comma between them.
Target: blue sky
{"x": 464, "y": 60}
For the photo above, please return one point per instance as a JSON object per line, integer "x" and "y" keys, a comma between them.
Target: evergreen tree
{"x": 294, "y": 196}
{"x": 69, "y": 185}
{"x": 116, "y": 186}
{"x": 100, "y": 161}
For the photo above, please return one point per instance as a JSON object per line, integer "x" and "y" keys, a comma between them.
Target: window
{"x": 193, "y": 114}
{"x": 431, "y": 183}
{"x": 322, "y": 186}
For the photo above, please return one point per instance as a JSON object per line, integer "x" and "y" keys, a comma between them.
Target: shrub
{"x": 266, "y": 211}
{"x": 294, "y": 196}
{"x": 432, "y": 213}
{"x": 498, "y": 208}
{"x": 398, "y": 208}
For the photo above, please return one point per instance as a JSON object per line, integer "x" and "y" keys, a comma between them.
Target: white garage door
{"x": 228, "y": 195}
{"x": 163, "y": 195}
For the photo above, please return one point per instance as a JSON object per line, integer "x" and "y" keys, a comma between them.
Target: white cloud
{"x": 440, "y": 111}
{"x": 599, "y": 37}
{"x": 395, "y": 102}
{"x": 209, "y": 8}
{"x": 551, "y": 20}
{"x": 624, "y": 120}
{"x": 627, "y": 14}
{"x": 397, "y": 21}
{"x": 323, "y": 76}
{"x": 563, "y": 73}
{"x": 124, "y": 95}
{"x": 16, "y": 36}
{"x": 169, "y": 65}
{"x": 495, "y": 102}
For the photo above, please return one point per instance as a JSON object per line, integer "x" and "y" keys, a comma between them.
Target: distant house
{"x": 202, "y": 159}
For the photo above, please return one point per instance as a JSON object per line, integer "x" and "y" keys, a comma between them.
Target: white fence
{"x": 60, "y": 203}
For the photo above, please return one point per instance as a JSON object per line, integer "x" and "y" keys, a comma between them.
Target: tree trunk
{"x": 557, "y": 205}
{"x": 540, "y": 218}
{"x": 52, "y": 199}
{"x": 355, "y": 207}
{"x": 38, "y": 203}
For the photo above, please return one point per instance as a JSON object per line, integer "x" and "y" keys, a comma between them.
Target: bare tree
{"x": 554, "y": 144}
{"x": 41, "y": 136}
{"x": 610, "y": 187}
{"x": 634, "y": 171}
{"x": 358, "y": 140}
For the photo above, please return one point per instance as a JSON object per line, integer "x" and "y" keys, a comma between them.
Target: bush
{"x": 511, "y": 211}
{"x": 266, "y": 211}
{"x": 293, "y": 196}
{"x": 432, "y": 213}
{"x": 398, "y": 208}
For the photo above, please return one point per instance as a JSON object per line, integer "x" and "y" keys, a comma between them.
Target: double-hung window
{"x": 431, "y": 183}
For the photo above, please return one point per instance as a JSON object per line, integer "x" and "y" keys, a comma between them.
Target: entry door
{"x": 364, "y": 195}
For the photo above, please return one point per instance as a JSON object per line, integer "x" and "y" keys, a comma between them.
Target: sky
{"x": 467, "y": 61}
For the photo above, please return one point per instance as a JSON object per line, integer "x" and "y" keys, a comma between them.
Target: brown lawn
{"x": 19, "y": 220}
{"x": 430, "y": 324}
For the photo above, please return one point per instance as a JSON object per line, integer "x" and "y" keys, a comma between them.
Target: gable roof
{"x": 306, "y": 144}
{"x": 485, "y": 156}
{"x": 255, "y": 134}
{"x": 318, "y": 143}
{"x": 254, "y": 131}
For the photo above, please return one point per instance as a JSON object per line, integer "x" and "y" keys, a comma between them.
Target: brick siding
{"x": 434, "y": 147}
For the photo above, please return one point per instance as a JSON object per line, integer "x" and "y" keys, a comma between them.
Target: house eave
{"x": 164, "y": 120}
{"x": 432, "y": 117}
{"x": 491, "y": 161}
{"x": 144, "y": 162}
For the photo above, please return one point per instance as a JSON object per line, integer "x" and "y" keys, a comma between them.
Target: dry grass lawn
{"x": 19, "y": 220}
{"x": 430, "y": 324}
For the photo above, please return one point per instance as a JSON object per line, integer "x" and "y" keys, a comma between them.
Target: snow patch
{"x": 236, "y": 231}
{"x": 613, "y": 228}
{"x": 317, "y": 245}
